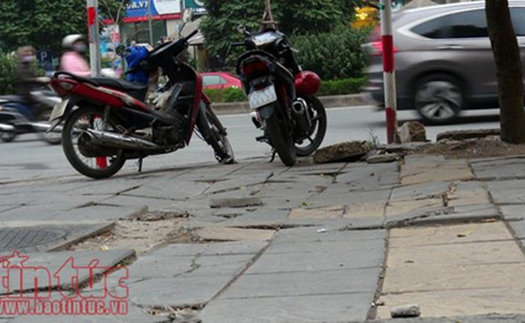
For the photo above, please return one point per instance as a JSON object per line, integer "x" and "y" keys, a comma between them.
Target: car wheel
{"x": 438, "y": 99}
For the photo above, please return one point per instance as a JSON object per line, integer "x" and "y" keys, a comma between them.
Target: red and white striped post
{"x": 389, "y": 76}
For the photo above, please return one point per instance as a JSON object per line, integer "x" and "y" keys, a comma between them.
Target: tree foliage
{"x": 43, "y": 23}
{"x": 294, "y": 17}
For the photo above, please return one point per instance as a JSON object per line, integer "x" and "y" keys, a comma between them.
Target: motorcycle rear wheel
{"x": 317, "y": 129}
{"x": 95, "y": 167}
{"x": 281, "y": 140}
{"x": 220, "y": 143}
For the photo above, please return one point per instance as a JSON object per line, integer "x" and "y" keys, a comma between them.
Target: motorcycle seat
{"x": 118, "y": 84}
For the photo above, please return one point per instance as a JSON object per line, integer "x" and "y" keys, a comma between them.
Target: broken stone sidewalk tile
{"x": 304, "y": 283}
{"x": 507, "y": 192}
{"x": 455, "y": 303}
{"x": 172, "y": 189}
{"x": 235, "y": 202}
{"x": 347, "y": 307}
{"x": 237, "y": 182}
{"x": 369, "y": 177}
{"x": 519, "y": 228}
{"x": 259, "y": 218}
{"x": 301, "y": 235}
{"x": 378, "y": 159}
{"x": 467, "y": 134}
{"x": 502, "y": 168}
{"x": 350, "y": 150}
{"x": 220, "y": 233}
{"x": 330, "y": 212}
{"x": 61, "y": 264}
{"x": 412, "y": 131}
{"x": 411, "y": 310}
{"x": 425, "y": 171}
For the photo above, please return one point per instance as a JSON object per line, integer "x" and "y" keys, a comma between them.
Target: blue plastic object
{"x": 136, "y": 55}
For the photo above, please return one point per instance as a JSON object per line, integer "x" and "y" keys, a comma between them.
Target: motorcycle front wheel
{"x": 281, "y": 140}
{"x": 78, "y": 152}
{"x": 220, "y": 143}
{"x": 317, "y": 129}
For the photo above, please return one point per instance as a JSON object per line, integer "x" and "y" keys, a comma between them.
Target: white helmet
{"x": 69, "y": 40}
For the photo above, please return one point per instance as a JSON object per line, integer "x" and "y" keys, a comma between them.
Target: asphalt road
{"x": 30, "y": 159}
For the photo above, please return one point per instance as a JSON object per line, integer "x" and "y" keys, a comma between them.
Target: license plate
{"x": 262, "y": 97}
{"x": 58, "y": 110}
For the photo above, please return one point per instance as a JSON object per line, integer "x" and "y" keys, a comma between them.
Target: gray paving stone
{"x": 235, "y": 182}
{"x": 211, "y": 249}
{"x": 304, "y": 283}
{"x": 261, "y": 217}
{"x": 174, "y": 189}
{"x": 518, "y": 227}
{"x": 29, "y": 213}
{"x": 324, "y": 259}
{"x": 153, "y": 266}
{"x": 59, "y": 263}
{"x": 182, "y": 291}
{"x": 507, "y": 192}
{"x": 302, "y": 235}
{"x": 499, "y": 168}
{"x": 370, "y": 177}
{"x": 340, "y": 194}
{"x": 312, "y": 248}
{"x": 236, "y": 202}
{"x": 9, "y": 207}
{"x": 492, "y": 318}
{"x": 97, "y": 212}
{"x": 297, "y": 309}
{"x": 153, "y": 204}
{"x": 513, "y": 212}
{"x": 327, "y": 225}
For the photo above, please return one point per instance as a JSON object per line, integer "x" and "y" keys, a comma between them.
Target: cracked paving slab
{"x": 498, "y": 168}
{"x": 187, "y": 275}
{"x": 467, "y": 269}
{"x": 64, "y": 266}
{"x": 507, "y": 192}
{"x": 422, "y": 169}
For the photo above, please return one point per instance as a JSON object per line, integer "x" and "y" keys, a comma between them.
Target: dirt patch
{"x": 471, "y": 148}
{"x": 143, "y": 234}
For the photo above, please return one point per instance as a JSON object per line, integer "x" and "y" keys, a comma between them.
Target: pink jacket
{"x": 74, "y": 63}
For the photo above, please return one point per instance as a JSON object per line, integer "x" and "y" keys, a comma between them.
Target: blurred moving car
{"x": 443, "y": 59}
{"x": 220, "y": 80}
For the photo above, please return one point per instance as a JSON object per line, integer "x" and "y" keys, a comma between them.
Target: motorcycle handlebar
{"x": 191, "y": 35}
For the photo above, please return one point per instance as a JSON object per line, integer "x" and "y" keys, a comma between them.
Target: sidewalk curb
{"x": 332, "y": 101}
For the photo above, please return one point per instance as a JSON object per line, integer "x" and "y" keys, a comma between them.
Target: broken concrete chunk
{"x": 235, "y": 202}
{"x": 467, "y": 134}
{"x": 411, "y": 310}
{"x": 412, "y": 131}
{"x": 345, "y": 151}
{"x": 387, "y": 158}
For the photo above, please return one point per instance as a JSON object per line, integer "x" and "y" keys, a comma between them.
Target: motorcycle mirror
{"x": 187, "y": 15}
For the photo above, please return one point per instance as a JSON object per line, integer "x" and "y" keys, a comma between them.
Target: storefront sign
{"x": 196, "y": 5}
{"x": 137, "y": 10}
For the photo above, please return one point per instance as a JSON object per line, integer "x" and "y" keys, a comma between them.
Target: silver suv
{"x": 443, "y": 59}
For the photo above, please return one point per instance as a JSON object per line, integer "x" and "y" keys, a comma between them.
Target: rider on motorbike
{"x": 72, "y": 60}
{"x": 27, "y": 81}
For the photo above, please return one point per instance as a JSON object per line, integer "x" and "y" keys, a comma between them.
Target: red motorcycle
{"x": 108, "y": 122}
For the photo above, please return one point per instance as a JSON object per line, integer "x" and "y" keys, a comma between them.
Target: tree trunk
{"x": 509, "y": 70}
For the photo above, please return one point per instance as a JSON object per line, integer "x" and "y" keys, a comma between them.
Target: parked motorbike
{"x": 16, "y": 118}
{"x": 282, "y": 95}
{"x": 107, "y": 121}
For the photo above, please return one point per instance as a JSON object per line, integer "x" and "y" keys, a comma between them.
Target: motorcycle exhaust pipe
{"x": 301, "y": 115}
{"x": 6, "y": 128}
{"x": 119, "y": 141}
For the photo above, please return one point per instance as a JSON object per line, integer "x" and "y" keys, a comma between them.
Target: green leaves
{"x": 7, "y": 73}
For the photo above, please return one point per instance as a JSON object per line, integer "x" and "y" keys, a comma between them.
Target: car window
{"x": 518, "y": 20}
{"x": 222, "y": 80}
{"x": 468, "y": 24}
{"x": 211, "y": 80}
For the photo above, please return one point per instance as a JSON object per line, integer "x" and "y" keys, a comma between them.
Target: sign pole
{"x": 94, "y": 37}
{"x": 150, "y": 28}
{"x": 389, "y": 76}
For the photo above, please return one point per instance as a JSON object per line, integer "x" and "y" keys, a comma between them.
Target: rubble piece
{"x": 467, "y": 134}
{"x": 235, "y": 202}
{"x": 386, "y": 158}
{"x": 411, "y": 310}
{"x": 412, "y": 131}
{"x": 345, "y": 151}
{"x": 403, "y": 148}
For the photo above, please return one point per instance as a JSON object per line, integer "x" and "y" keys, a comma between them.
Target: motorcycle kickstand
{"x": 273, "y": 155}
{"x": 139, "y": 163}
